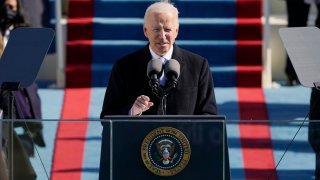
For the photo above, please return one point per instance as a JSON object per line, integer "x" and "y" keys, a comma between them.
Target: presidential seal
{"x": 165, "y": 151}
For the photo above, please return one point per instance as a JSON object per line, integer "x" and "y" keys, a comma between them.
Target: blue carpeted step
{"x": 210, "y": 28}
{"x": 101, "y": 74}
{"x": 223, "y": 76}
{"x": 216, "y": 29}
{"x": 217, "y": 52}
{"x": 187, "y": 8}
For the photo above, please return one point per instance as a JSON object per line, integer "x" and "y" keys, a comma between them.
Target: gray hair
{"x": 163, "y": 6}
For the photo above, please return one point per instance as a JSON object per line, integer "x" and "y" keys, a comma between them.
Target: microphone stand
{"x": 162, "y": 92}
{"x": 163, "y": 98}
{"x": 159, "y": 92}
{"x": 155, "y": 87}
{"x": 163, "y": 104}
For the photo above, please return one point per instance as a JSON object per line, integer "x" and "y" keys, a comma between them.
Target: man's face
{"x": 161, "y": 29}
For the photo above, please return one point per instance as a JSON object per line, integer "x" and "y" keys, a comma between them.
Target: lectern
{"x": 164, "y": 147}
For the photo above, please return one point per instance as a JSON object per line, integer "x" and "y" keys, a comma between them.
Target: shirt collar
{"x": 167, "y": 56}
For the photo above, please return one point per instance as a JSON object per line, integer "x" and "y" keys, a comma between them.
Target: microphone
{"x": 154, "y": 71}
{"x": 172, "y": 72}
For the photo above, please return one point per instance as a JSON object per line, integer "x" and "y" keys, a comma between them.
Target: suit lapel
{"x": 178, "y": 55}
{"x": 145, "y": 57}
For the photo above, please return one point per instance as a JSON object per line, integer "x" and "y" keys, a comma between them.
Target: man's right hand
{"x": 141, "y": 104}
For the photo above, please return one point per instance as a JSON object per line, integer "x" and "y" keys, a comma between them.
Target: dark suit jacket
{"x": 194, "y": 94}
{"x": 314, "y": 126}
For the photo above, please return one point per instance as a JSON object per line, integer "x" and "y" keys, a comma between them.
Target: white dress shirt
{"x": 164, "y": 58}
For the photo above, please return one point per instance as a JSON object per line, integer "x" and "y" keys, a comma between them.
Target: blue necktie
{"x": 162, "y": 78}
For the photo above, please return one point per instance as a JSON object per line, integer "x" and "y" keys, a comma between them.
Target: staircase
{"x": 227, "y": 32}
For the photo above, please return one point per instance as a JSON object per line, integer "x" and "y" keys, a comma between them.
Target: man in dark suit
{"x": 128, "y": 91}
{"x": 314, "y": 128}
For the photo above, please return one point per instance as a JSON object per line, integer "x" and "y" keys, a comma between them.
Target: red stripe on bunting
{"x": 78, "y": 70}
{"x": 71, "y": 135}
{"x": 255, "y": 137}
